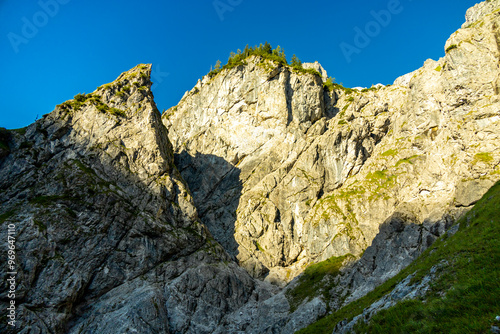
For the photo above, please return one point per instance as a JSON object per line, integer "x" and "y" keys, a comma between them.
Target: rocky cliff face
{"x": 128, "y": 220}
{"x": 285, "y": 172}
{"x": 108, "y": 237}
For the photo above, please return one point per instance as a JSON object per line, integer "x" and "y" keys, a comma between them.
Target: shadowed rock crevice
{"x": 214, "y": 181}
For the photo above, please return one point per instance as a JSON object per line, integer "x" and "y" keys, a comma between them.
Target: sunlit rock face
{"x": 285, "y": 172}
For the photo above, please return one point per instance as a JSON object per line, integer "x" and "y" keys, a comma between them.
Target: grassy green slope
{"x": 465, "y": 298}
{"x": 312, "y": 282}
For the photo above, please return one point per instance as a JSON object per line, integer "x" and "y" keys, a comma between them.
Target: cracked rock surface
{"x": 285, "y": 172}
{"x": 108, "y": 237}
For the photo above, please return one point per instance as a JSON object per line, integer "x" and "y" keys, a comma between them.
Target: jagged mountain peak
{"x": 119, "y": 118}
{"x": 480, "y": 10}
{"x": 123, "y": 97}
{"x": 140, "y": 69}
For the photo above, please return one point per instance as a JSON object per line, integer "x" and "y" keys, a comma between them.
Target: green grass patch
{"x": 329, "y": 84}
{"x": 81, "y": 97}
{"x": 344, "y": 109}
{"x": 104, "y": 108}
{"x": 259, "y": 246}
{"x": 383, "y": 182}
{"x": 311, "y": 282}
{"x": 406, "y": 160}
{"x": 346, "y": 90}
{"x": 451, "y": 47}
{"x": 351, "y": 192}
{"x": 308, "y": 177}
{"x": 482, "y": 157}
{"x": 117, "y": 112}
{"x": 6, "y": 215}
{"x": 78, "y": 101}
{"x": 377, "y": 175}
{"x": 371, "y": 89}
{"x": 342, "y": 122}
{"x": 389, "y": 153}
{"x": 301, "y": 70}
{"x": 266, "y": 53}
{"x": 325, "y": 208}
{"x": 84, "y": 168}
{"x": 462, "y": 299}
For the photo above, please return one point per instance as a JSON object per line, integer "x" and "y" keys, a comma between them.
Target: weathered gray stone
{"x": 316, "y": 66}
{"x": 470, "y": 191}
{"x": 108, "y": 237}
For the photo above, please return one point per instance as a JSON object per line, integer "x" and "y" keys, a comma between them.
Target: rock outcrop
{"x": 317, "y": 67}
{"x": 108, "y": 237}
{"x": 285, "y": 172}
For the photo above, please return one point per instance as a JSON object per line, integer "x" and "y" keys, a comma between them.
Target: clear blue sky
{"x": 50, "y": 53}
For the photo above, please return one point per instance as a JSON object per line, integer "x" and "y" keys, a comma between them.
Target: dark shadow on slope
{"x": 289, "y": 97}
{"x": 85, "y": 224}
{"x": 216, "y": 188}
{"x": 401, "y": 240}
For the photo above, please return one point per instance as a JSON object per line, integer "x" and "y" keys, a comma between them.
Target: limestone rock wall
{"x": 286, "y": 173}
